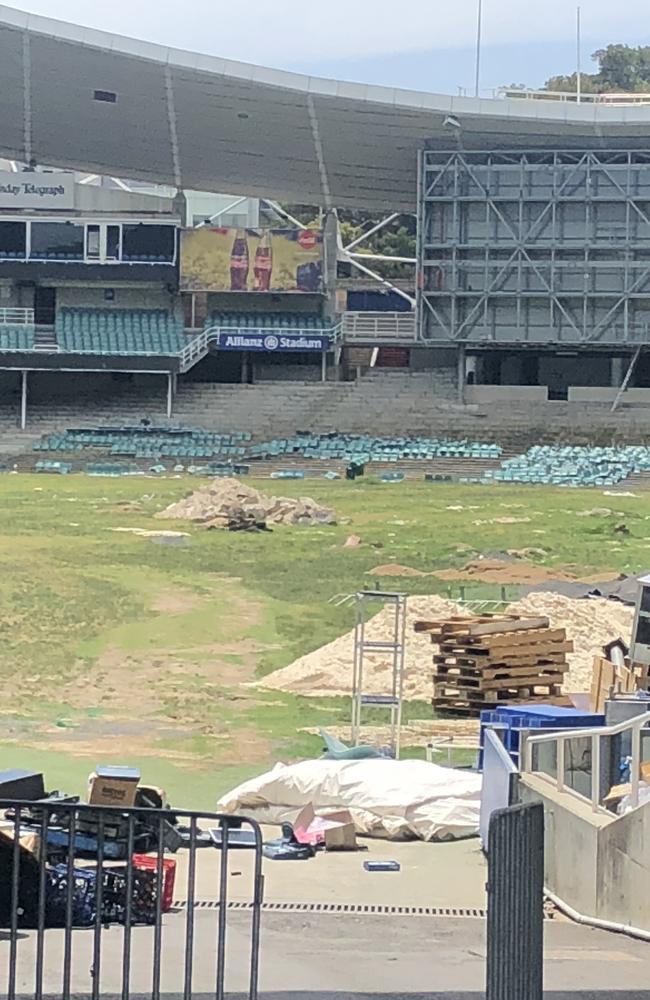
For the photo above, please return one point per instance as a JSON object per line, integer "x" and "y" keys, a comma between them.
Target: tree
{"x": 621, "y": 69}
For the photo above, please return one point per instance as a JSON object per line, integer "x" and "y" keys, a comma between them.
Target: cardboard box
{"x": 113, "y": 786}
{"x": 336, "y": 830}
{"x": 341, "y": 838}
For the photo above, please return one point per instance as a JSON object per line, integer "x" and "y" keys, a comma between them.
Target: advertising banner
{"x": 236, "y": 341}
{"x": 28, "y": 189}
{"x": 251, "y": 260}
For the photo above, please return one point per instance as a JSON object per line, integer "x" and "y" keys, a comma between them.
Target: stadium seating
{"x": 195, "y": 444}
{"x": 119, "y": 331}
{"x": 573, "y": 466}
{"x": 16, "y": 338}
{"x": 290, "y": 322}
{"x": 363, "y": 448}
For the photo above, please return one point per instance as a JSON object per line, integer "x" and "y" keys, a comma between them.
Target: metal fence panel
{"x": 87, "y": 908}
{"x": 515, "y": 928}
{"x": 499, "y": 782}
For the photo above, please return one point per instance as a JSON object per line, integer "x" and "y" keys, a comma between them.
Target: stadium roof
{"x": 173, "y": 117}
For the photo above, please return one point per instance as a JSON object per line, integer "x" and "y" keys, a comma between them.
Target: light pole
{"x": 479, "y": 32}
{"x": 579, "y": 57}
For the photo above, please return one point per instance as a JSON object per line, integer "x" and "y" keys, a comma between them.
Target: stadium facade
{"x": 533, "y": 223}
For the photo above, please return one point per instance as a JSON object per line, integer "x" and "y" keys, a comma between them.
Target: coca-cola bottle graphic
{"x": 239, "y": 263}
{"x": 263, "y": 267}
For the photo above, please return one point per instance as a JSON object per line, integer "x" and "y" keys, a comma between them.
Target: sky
{"x": 417, "y": 44}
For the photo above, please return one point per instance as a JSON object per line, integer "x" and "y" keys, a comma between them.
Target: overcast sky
{"x": 423, "y": 44}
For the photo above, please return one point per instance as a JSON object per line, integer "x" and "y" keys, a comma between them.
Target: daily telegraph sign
{"x": 270, "y": 342}
{"x": 28, "y": 189}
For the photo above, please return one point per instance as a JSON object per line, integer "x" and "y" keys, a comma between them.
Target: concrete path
{"x": 341, "y": 957}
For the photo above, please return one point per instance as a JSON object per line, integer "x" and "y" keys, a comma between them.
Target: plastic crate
{"x": 144, "y": 862}
{"x": 511, "y": 719}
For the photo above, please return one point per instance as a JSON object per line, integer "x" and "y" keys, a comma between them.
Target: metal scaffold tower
{"x": 395, "y": 646}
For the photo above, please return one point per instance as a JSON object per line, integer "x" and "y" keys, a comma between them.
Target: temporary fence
{"x": 87, "y": 903}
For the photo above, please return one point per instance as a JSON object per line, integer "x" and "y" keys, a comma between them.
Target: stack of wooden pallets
{"x": 488, "y": 660}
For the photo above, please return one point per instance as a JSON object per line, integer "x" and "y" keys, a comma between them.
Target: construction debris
{"x": 229, "y": 503}
{"x": 488, "y": 660}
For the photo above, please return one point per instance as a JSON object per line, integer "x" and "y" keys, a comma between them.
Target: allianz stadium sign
{"x": 28, "y": 189}
{"x": 270, "y": 342}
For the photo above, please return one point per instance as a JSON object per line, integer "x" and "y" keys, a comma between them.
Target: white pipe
{"x": 371, "y": 232}
{"x": 603, "y": 925}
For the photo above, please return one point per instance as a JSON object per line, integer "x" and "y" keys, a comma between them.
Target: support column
{"x": 23, "y": 400}
{"x": 170, "y": 394}
{"x": 461, "y": 374}
{"x": 323, "y": 367}
{"x": 617, "y": 372}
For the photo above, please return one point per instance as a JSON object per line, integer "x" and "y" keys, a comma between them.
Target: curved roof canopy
{"x": 208, "y": 124}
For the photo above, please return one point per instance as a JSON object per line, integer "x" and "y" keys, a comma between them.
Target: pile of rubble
{"x": 229, "y": 503}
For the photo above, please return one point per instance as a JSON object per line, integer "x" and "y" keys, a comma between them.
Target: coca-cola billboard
{"x": 251, "y": 260}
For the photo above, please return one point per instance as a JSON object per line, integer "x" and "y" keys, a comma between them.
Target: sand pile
{"x": 225, "y": 499}
{"x": 589, "y": 623}
{"x": 328, "y": 670}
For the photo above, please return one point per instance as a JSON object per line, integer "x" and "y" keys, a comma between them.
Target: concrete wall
{"x": 506, "y": 393}
{"x": 267, "y": 370}
{"x": 601, "y": 394}
{"x": 598, "y": 864}
{"x": 92, "y": 297}
{"x": 263, "y": 303}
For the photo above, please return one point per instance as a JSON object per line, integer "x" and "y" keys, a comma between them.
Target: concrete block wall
{"x": 596, "y": 863}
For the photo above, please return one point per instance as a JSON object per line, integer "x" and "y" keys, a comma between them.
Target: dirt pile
{"x": 328, "y": 670}
{"x": 226, "y": 501}
{"x": 503, "y": 571}
{"x": 589, "y": 623}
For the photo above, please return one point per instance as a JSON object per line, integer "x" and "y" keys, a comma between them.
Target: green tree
{"x": 621, "y": 69}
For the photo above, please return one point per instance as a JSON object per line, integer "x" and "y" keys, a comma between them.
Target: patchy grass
{"x": 109, "y": 640}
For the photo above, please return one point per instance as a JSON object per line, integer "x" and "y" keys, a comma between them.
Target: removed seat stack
{"x": 489, "y": 660}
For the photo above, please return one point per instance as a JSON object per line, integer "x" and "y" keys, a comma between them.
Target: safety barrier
{"x": 16, "y": 317}
{"x": 90, "y": 907}
{"x": 399, "y": 327}
{"x": 575, "y": 761}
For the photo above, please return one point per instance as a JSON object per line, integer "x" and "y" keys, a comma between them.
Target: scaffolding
{"x": 395, "y": 647}
{"x": 533, "y": 247}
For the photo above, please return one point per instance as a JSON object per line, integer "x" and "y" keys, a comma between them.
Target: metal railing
{"x": 399, "y": 327}
{"x": 592, "y": 758}
{"x": 196, "y": 349}
{"x": 570, "y": 97}
{"x": 16, "y": 317}
{"x": 89, "y": 907}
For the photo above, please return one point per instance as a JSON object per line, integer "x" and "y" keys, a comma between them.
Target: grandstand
{"x": 528, "y": 322}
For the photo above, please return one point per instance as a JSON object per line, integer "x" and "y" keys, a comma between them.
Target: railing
{"x": 16, "y": 317}
{"x": 546, "y": 756}
{"x": 389, "y": 326}
{"x": 195, "y": 350}
{"x": 103, "y": 878}
{"x": 570, "y": 97}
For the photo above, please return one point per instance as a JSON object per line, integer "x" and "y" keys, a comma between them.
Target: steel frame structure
{"x": 534, "y": 248}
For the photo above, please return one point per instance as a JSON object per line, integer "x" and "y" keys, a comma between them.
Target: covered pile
{"x": 393, "y": 799}
{"x": 228, "y": 502}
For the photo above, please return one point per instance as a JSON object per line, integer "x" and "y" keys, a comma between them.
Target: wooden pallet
{"x": 461, "y": 658}
{"x": 538, "y": 685}
{"x": 498, "y": 671}
{"x": 479, "y": 683}
{"x": 499, "y": 643}
{"x": 473, "y": 709}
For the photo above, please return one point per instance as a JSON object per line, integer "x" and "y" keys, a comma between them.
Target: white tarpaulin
{"x": 387, "y": 798}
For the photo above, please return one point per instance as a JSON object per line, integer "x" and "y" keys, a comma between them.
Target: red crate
{"x": 144, "y": 862}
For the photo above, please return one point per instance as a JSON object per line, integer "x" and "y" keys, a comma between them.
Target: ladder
{"x": 395, "y": 647}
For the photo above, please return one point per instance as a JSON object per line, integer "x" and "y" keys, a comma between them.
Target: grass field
{"x": 120, "y": 648}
